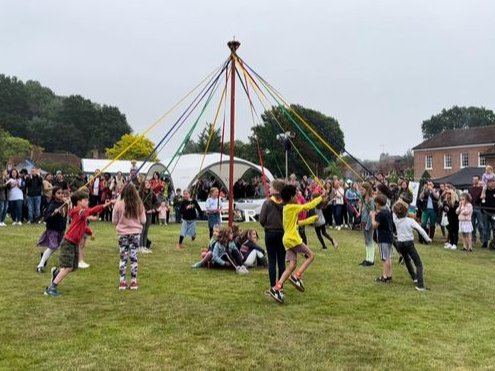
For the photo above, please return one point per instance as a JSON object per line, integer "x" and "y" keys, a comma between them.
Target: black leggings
{"x": 321, "y": 230}
{"x": 276, "y": 255}
{"x": 453, "y": 232}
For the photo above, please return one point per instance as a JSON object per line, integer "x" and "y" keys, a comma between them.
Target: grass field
{"x": 182, "y": 318}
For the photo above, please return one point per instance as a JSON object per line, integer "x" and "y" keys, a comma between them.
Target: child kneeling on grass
{"x": 129, "y": 217}
{"x": 405, "y": 242}
{"x": 383, "y": 223}
{"x": 293, "y": 242}
{"x": 69, "y": 247}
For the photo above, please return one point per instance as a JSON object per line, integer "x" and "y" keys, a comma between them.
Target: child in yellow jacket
{"x": 293, "y": 242}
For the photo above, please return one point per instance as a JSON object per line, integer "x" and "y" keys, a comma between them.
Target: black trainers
{"x": 485, "y": 245}
{"x": 40, "y": 270}
{"x": 55, "y": 273}
{"x": 368, "y": 264}
{"x": 363, "y": 263}
{"x": 276, "y": 294}
{"x": 297, "y": 283}
{"x": 52, "y": 291}
{"x": 383, "y": 279}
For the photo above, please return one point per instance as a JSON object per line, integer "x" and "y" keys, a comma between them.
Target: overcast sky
{"x": 379, "y": 67}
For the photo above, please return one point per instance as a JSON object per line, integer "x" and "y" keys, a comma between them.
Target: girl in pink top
{"x": 465, "y": 210}
{"x": 129, "y": 217}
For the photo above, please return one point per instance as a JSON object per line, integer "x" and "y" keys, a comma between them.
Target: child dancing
{"x": 129, "y": 216}
{"x": 69, "y": 247}
{"x": 293, "y": 242}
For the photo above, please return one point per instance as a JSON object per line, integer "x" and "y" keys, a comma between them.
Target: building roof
{"x": 58, "y": 158}
{"x": 490, "y": 152}
{"x": 462, "y": 179}
{"x": 460, "y": 137}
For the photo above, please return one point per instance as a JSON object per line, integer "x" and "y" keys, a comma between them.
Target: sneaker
{"x": 147, "y": 251}
{"x": 2, "y": 224}
{"x": 422, "y": 288}
{"x": 40, "y": 270}
{"x": 134, "y": 285}
{"x": 282, "y": 294}
{"x": 383, "y": 279}
{"x": 484, "y": 245}
{"x": 453, "y": 247}
{"x": 363, "y": 263}
{"x": 243, "y": 267}
{"x": 83, "y": 265}
{"x": 54, "y": 273}
{"x": 324, "y": 249}
{"x": 338, "y": 228}
{"x": 19, "y": 223}
{"x": 276, "y": 294}
{"x": 239, "y": 270}
{"x": 297, "y": 283}
{"x": 52, "y": 291}
{"x": 335, "y": 244}
{"x": 197, "y": 265}
{"x": 447, "y": 246}
{"x": 123, "y": 285}
{"x": 28, "y": 222}
{"x": 415, "y": 280}
{"x": 368, "y": 264}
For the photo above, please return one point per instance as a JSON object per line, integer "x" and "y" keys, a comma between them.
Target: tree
{"x": 457, "y": 118}
{"x": 71, "y": 124}
{"x": 138, "y": 151}
{"x": 327, "y": 127}
{"x": 215, "y": 141}
{"x": 13, "y": 146}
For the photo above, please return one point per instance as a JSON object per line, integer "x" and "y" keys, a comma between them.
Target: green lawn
{"x": 204, "y": 319}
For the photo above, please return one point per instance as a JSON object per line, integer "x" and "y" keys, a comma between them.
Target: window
{"x": 481, "y": 160}
{"x": 464, "y": 160}
{"x": 429, "y": 162}
{"x": 447, "y": 161}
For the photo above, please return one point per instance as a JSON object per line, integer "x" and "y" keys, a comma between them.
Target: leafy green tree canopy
{"x": 139, "y": 150}
{"x": 58, "y": 124}
{"x": 457, "y": 118}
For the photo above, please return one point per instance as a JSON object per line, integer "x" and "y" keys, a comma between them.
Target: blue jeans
{"x": 4, "y": 205}
{"x": 34, "y": 205}
{"x": 488, "y": 225}
{"x": 15, "y": 209}
{"x": 337, "y": 214}
{"x": 477, "y": 221}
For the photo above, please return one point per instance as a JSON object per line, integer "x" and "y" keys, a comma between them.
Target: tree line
{"x": 57, "y": 124}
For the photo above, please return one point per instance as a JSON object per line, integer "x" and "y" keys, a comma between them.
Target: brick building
{"x": 453, "y": 150}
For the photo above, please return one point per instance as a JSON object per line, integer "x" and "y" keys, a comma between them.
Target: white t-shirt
{"x": 14, "y": 192}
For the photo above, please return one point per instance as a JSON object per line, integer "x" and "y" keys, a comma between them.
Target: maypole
{"x": 233, "y": 46}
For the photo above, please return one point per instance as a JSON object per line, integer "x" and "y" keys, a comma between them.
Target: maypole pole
{"x": 233, "y": 46}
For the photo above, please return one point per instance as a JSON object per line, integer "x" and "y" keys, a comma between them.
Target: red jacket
{"x": 79, "y": 223}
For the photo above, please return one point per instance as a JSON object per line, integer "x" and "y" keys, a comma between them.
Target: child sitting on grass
{"x": 405, "y": 242}
{"x": 293, "y": 242}
{"x": 383, "y": 223}
{"x": 252, "y": 253}
{"x": 222, "y": 252}
{"x": 69, "y": 247}
{"x": 206, "y": 254}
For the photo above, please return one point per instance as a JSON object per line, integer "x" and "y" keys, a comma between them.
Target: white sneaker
{"x": 239, "y": 270}
{"x": 338, "y": 228}
{"x": 3, "y": 224}
{"x": 19, "y": 223}
{"x": 244, "y": 269}
{"x": 145, "y": 250}
{"x": 447, "y": 246}
{"x": 453, "y": 247}
{"x": 83, "y": 265}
